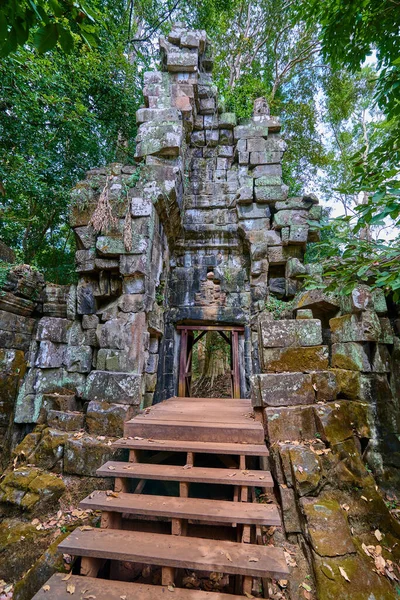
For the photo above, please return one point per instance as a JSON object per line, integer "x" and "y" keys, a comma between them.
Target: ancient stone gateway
{"x": 199, "y": 235}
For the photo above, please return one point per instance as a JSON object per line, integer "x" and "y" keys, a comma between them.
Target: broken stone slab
{"x": 104, "y": 418}
{"x": 49, "y": 452}
{"x": 85, "y": 298}
{"x": 90, "y": 321}
{"x": 285, "y": 333}
{"x": 350, "y": 355}
{"x": 14, "y": 323}
{"x": 359, "y": 300}
{"x": 290, "y": 423}
{"x": 298, "y": 235}
{"x": 85, "y": 237}
{"x": 120, "y": 388}
{"x": 380, "y": 359}
{"x": 364, "y": 327}
{"x": 317, "y": 301}
{"x": 278, "y": 360}
{"x": 85, "y": 260}
{"x": 303, "y": 203}
{"x": 278, "y": 255}
{"x": 285, "y": 389}
{"x": 338, "y": 421}
{"x": 327, "y": 526}
{"x": 291, "y": 517}
{"x": 108, "y": 245}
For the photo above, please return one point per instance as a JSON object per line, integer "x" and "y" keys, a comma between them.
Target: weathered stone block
{"x": 85, "y": 455}
{"x": 50, "y": 355}
{"x": 286, "y": 333}
{"x": 78, "y": 359}
{"x": 278, "y": 360}
{"x": 327, "y": 526}
{"x": 285, "y": 389}
{"x": 90, "y": 321}
{"x": 244, "y": 132}
{"x": 49, "y": 452}
{"x": 325, "y": 385}
{"x": 122, "y": 388}
{"x": 287, "y": 218}
{"x": 108, "y": 245}
{"x": 141, "y": 207}
{"x": 86, "y": 303}
{"x": 227, "y": 120}
{"x": 104, "y": 418}
{"x": 307, "y": 470}
{"x": 293, "y": 423}
{"x": 65, "y": 421}
{"x": 356, "y": 328}
{"x": 270, "y": 193}
{"x": 162, "y": 139}
{"x": 85, "y": 260}
{"x": 350, "y": 355}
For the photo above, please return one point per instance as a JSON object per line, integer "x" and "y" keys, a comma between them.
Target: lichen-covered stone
{"x": 122, "y": 388}
{"x": 350, "y": 355}
{"x": 285, "y": 389}
{"x": 283, "y": 334}
{"x": 104, "y": 418}
{"x": 27, "y": 488}
{"x": 327, "y": 526}
{"x": 294, "y": 423}
{"x": 65, "y": 421}
{"x": 356, "y": 328}
{"x": 53, "y": 329}
{"x": 84, "y": 455}
{"x": 307, "y": 470}
{"x": 278, "y": 360}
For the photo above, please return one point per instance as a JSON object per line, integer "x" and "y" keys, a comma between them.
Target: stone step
{"x": 177, "y": 551}
{"x": 196, "y": 447}
{"x": 102, "y": 589}
{"x": 196, "y": 509}
{"x": 186, "y": 474}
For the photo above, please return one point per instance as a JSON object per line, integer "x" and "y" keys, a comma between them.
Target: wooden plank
{"x": 177, "y": 551}
{"x": 220, "y": 327}
{"x": 180, "y": 416}
{"x": 198, "y": 509}
{"x": 196, "y": 447}
{"x": 251, "y": 433}
{"x": 114, "y": 590}
{"x": 192, "y": 475}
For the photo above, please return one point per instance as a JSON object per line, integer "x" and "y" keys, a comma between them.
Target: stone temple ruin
{"x": 201, "y": 233}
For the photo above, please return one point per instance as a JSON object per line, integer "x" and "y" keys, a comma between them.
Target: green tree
{"x": 61, "y": 114}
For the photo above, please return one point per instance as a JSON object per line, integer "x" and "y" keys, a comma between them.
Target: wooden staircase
{"x": 205, "y": 456}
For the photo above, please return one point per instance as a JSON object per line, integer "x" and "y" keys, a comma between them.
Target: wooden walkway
{"x": 184, "y": 502}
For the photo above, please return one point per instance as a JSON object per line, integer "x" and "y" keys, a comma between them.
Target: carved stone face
{"x": 260, "y": 107}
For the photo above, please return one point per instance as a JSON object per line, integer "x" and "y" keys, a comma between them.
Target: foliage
{"x": 348, "y": 260}
{"x": 62, "y": 21}
{"x": 351, "y": 32}
{"x": 278, "y": 308}
{"x": 5, "y": 268}
{"x": 60, "y": 115}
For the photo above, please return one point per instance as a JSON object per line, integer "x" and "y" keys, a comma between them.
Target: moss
{"x": 314, "y": 358}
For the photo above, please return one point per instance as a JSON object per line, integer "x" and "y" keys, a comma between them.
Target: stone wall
{"x": 331, "y": 405}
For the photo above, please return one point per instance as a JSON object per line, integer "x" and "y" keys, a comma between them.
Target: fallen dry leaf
{"x": 46, "y": 588}
{"x": 248, "y": 595}
{"x": 171, "y": 588}
{"x": 70, "y": 588}
{"x": 300, "y": 469}
{"x": 112, "y": 494}
{"x": 344, "y": 574}
{"x": 188, "y": 466}
{"x": 378, "y": 535}
{"x": 253, "y": 559}
{"x": 67, "y": 577}
{"x": 228, "y": 556}
{"x": 123, "y": 597}
{"x": 345, "y": 507}
{"x": 306, "y": 586}
{"x": 86, "y": 528}
{"x": 380, "y": 564}
{"x": 111, "y": 468}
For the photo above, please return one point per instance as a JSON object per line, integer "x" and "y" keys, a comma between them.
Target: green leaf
{"x": 46, "y": 37}
{"x": 65, "y": 39}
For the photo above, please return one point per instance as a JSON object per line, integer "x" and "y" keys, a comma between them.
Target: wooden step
{"x": 197, "y": 447}
{"x": 190, "y": 475}
{"x": 177, "y": 551}
{"x": 184, "y": 508}
{"x": 248, "y": 431}
{"x": 103, "y": 589}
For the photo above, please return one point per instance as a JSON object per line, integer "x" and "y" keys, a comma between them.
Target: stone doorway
{"x": 190, "y": 335}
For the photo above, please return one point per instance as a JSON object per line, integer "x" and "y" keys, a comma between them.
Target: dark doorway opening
{"x": 209, "y": 361}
